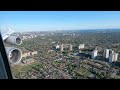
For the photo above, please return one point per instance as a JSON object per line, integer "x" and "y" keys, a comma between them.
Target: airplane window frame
{"x": 6, "y": 69}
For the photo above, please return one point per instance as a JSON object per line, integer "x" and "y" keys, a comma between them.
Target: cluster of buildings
{"x": 27, "y": 54}
{"x": 108, "y": 54}
{"x": 61, "y": 47}
{"x": 28, "y": 36}
{"x": 30, "y": 53}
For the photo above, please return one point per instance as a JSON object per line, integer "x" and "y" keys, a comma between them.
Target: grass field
{"x": 22, "y": 69}
{"x": 83, "y": 71}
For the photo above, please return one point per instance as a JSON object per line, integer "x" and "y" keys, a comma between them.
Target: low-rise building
{"x": 26, "y": 54}
{"x": 50, "y": 51}
{"x": 26, "y": 37}
{"x": 29, "y": 54}
{"x": 28, "y": 61}
{"x": 81, "y": 46}
{"x": 33, "y": 53}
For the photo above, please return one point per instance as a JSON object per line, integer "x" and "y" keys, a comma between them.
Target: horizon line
{"x": 71, "y": 30}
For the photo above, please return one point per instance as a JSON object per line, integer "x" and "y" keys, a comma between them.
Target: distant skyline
{"x": 59, "y": 20}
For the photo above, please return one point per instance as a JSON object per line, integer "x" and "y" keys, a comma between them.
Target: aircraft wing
{"x": 6, "y": 33}
{"x": 14, "y": 54}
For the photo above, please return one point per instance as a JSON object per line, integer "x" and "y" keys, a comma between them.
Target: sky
{"x": 59, "y": 20}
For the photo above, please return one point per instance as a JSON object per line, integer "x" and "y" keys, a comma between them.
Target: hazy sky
{"x": 59, "y": 20}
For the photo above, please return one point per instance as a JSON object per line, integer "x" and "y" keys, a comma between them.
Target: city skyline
{"x": 24, "y": 21}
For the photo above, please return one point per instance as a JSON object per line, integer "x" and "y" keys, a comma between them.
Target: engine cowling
{"x": 14, "y": 40}
{"x": 14, "y": 55}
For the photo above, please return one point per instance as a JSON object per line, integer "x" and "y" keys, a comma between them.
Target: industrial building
{"x": 94, "y": 54}
{"x": 106, "y": 53}
{"x": 81, "y": 46}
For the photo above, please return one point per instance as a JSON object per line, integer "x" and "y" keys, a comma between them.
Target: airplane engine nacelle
{"x": 14, "y": 55}
{"x": 13, "y": 40}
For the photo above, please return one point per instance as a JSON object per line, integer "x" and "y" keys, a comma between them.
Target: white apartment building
{"x": 61, "y": 47}
{"x": 106, "y": 53}
{"x": 57, "y": 47}
{"x": 113, "y": 57}
{"x": 70, "y": 48}
{"x": 94, "y": 54}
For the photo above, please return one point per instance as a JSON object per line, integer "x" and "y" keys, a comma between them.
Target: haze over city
{"x": 59, "y": 20}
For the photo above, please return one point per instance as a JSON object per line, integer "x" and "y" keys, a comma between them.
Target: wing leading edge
{"x": 6, "y": 33}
